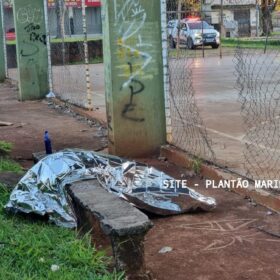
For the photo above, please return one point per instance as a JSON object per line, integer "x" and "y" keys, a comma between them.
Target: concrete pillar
{"x": 2, "y": 46}
{"x": 31, "y": 44}
{"x": 134, "y": 76}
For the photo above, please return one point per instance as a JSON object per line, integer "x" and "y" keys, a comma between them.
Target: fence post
{"x": 166, "y": 71}
{"x": 89, "y": 95}
{"x": 134, "y": 76}
{"x": 31, "y": 44}
{"x": 48, "y": 41}
{"x": 2, "y": 45}
{"x": 221, "y": 28}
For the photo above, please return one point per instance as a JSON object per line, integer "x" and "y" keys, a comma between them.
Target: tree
{"x": 60, "y": 14}
{"x": 189, "y": 7}
{"x": 267, "y": 7}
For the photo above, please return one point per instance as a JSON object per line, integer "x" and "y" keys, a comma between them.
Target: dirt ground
{"x": 238, "y": 240}
{"x": 31, "y": 119}
{"x": 226, "y": 244}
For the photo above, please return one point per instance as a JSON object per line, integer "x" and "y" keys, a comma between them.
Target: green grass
{"x": 95, "y": 60}
{"x": 251, "y": 43}
{"x": 28, "y": 249}
{"x": 196, "y": 165}
{"x": 5, "y": 147}
{"x": 6, "y": 164}
{"x": 76, "y": 39}
{"x": 66, "y": 40}
{"x": 9, "y": 165}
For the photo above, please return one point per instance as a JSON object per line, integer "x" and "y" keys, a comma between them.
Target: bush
{"x": 5, "y": 148}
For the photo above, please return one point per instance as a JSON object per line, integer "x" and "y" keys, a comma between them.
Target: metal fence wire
{"x": 75, "y": 46}
{"x": 224, "y": 83}
{"x": 9, "y": 37}
{"x": 74, "y": 31}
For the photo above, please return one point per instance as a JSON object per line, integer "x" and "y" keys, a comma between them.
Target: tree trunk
{"x": 60, "y": 11}
{"x": 267, "y": 7}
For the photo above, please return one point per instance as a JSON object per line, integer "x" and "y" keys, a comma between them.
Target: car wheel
{"x": 215, "y": 46}
{"x": 190, "y": 44}
{"x": 172, "y": 44}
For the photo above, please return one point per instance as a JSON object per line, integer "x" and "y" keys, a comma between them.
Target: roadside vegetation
{"x": 6, "y": 164}
{"x": 33, "y": 249}
{"x": 251, "y": 43}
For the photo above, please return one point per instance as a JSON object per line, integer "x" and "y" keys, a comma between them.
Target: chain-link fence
{"x": 74, "y": 31}
{"x": 9, "y": 37}
{"x": 224, "y": 60}
{"x": 75, "y": 49}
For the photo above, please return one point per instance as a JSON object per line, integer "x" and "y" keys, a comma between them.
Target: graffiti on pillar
{"x": 34, "y": 31}
{"x": 31, "y": 18}
{"x": 135, "y": 87}
{"x": 30, "y": 14}
{"x": 29, "y": 49}
{"x": 130, "y": 18}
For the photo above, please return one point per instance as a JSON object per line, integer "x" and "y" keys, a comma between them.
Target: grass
{"x": 95, "y": 60}
{"x": 29, "y": 248}
{"x": 229, "y": 44}
{"x": 5, "y": 147}
{"x": 196, "y": 165}
{"x": 251, "y": 43}
{"x": 66, "y": 40}
{"x": 7, "y": 164}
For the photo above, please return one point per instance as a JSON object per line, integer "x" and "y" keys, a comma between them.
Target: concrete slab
{"x": 111, "y": 220}
{"x": 117, "y": 217}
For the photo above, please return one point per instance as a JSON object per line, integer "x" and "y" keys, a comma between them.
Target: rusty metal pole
{"x": 202, "y": 29}
{"x": 221, "y": 28}
{"x": 87, "y": 70}
{"x": 2, "y": 45}
{"x": 257, "y": 19}
{"x": 179, "y": 11}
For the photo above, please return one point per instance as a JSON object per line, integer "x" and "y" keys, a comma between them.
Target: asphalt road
{"x": 217, "y": 98}
{"x": 234, "y": 119}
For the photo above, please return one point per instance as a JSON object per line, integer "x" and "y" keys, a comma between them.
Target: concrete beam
{"x": 32, "y": 55}
{"x": 113, "y": 223}
{"x": 134, "y": 76}
{"x": 2, "y": 46}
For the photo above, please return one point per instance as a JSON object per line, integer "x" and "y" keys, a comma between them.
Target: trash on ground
{"x": 50, "y": 95}
{"x": 42, "y": 190}
{"x": 5, "y": 123}
{"x": 164, "y": 250}
{"x": 55, "y": 267}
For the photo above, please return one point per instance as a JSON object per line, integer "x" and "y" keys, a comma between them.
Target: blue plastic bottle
{"x": 48, "y": 143}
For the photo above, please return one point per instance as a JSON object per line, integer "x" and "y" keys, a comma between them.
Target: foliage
{"x": 29, "y": 248}
{"x": 250, "y": 44}
{"x": 196, "y": 165}
{"x": 9, "y": 165}
{"x": 5, "y": 147}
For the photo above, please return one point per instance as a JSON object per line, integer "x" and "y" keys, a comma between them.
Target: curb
{"x": 216, "y": 174}
{"x": 83, "y": 112}
{"x": 98, "y": 116}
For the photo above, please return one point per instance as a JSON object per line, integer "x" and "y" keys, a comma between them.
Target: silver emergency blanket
{"x": 43, "y": 189}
